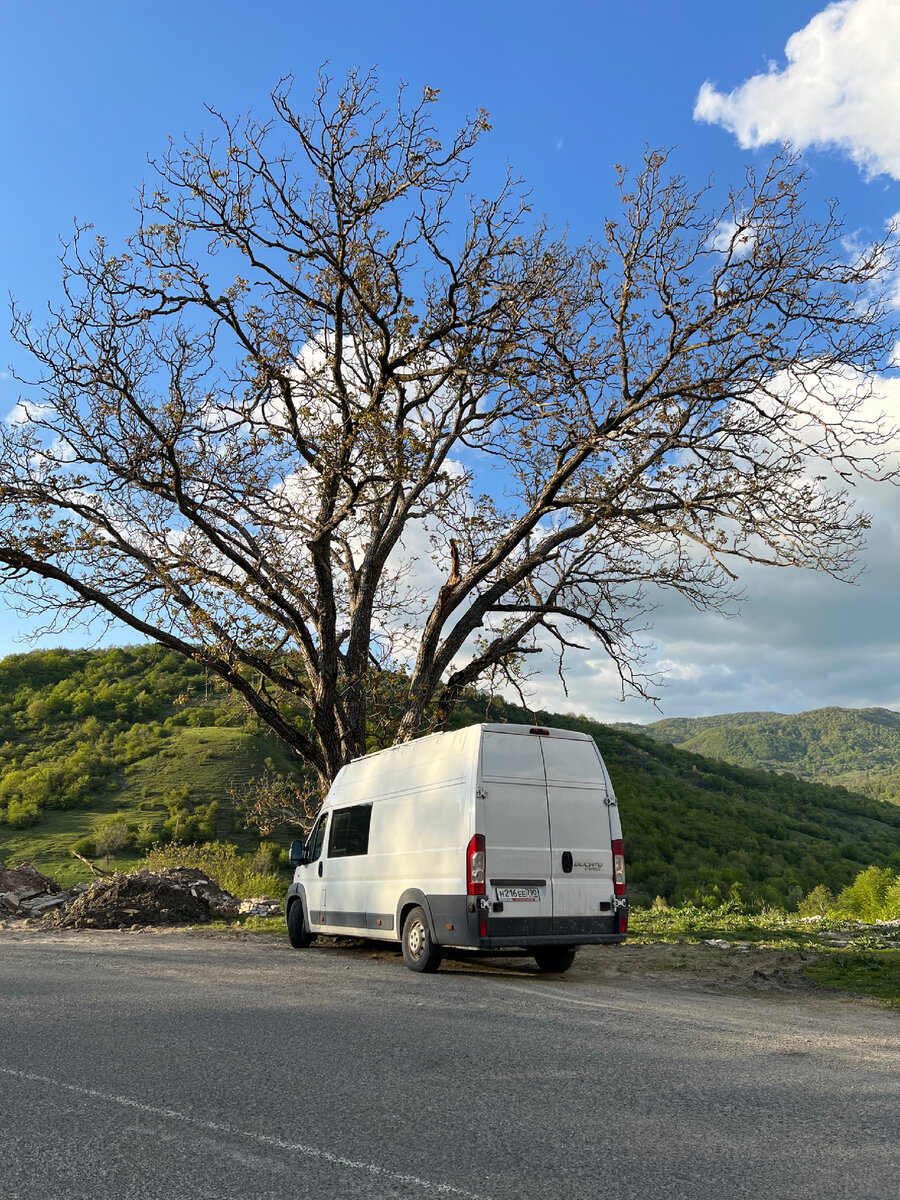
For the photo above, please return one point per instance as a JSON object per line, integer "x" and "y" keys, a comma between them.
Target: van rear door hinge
{"x": 481, "y": 794}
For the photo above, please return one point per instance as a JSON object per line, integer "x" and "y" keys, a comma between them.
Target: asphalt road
{"x": 175, "y": 1066}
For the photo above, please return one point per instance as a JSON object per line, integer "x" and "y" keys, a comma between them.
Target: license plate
{"x": 518, "y": 893}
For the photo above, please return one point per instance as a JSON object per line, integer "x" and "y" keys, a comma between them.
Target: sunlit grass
{"x": 874, "y": 974}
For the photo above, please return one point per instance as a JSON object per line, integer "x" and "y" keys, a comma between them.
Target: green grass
{"x": 766, "y": 929}
{"x": 49, "y": 845}
{"x": 210, "y": 761}
{"x": 875, "y": 974}
{"x": 251, "y": 924}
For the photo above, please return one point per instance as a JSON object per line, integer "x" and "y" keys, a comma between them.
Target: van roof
{"x": 544, "y": 730}
{"x": 489, "y": 727}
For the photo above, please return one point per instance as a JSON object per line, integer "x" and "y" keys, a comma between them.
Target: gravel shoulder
{"x": 685, "y": 966}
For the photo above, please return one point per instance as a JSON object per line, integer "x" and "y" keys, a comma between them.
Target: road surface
{"x": 173, "y": 1066}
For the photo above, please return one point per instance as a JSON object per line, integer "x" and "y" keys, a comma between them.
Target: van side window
{"x": 317, "y": 837}
{"x": 350, "y": 831}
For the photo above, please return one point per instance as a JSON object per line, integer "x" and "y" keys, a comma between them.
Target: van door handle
{"x": 567, "y": 861}
{"x": 320, "y": 870}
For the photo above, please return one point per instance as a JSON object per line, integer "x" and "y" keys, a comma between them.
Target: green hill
{"x": 855, "y": 748}
{"x": 139, "y": 732}
{"x": 90, "y": 735}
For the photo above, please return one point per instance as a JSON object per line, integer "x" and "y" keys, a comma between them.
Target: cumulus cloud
{"x": 840, "y": 88}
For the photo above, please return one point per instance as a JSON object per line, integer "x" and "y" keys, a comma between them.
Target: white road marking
{"x": 338, "y": 1160}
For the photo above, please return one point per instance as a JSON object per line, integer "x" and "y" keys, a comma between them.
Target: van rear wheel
{"x": 555, "y": 958}
{"x": 420, "y": 952}
{"x": 298, "y": 933}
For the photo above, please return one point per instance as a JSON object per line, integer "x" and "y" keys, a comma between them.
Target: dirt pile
{"x": 179, "y": 896}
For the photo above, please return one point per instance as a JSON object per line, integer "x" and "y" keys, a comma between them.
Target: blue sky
{"x": 572, "y": 88}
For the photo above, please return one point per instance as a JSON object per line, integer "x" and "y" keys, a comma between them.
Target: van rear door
{"x": 580, "y": 838}
{"x": 517, "y": 833}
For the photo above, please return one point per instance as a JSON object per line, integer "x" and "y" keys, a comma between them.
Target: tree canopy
{"x": 356, "y": 439}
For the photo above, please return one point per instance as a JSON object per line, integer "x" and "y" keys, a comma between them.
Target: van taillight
{"x": 475, "y": 866}
{"x": 618, "y": 853}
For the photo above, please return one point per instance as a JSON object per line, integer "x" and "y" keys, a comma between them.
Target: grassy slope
{"x": 123, "y": 712}
{"x": 210, "y": 762}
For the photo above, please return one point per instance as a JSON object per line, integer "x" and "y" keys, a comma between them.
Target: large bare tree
{"x": 356, "y": 440}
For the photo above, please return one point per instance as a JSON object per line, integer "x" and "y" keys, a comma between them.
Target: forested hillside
{"x": 141, "y": 738}
{"x": 856, "y": 748}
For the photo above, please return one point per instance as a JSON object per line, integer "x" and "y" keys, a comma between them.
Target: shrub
{"x": 816, "y": 903}
{"x": 111, "y": 837}
{"x": 22, "y": 812}
{"x": 891, "y": 909}
{"x": 189, "y": 823}
{"x": 865, "y": 897}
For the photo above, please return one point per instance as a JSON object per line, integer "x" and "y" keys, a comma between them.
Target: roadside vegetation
{"x": 263, "y": 873}
{"x": 851, "y": 952}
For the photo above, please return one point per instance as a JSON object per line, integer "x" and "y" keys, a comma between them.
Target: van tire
{"x": 420, "y": 952}
{"x": 298, "y": 933}
{"x": 555, "y": 958}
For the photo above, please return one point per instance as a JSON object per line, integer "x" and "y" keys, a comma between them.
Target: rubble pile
{"x": 25, "y": 892}
{"x": 178, "y": 896}
{"x": 261, "y": 906}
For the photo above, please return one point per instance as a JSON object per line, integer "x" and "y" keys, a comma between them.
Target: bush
{"x": 111, "y": 837}
{"x": 189, "y": 823}
{"x": 817, "y": 903}
{"x": 891, "y": 909}
{"x": 865, "y": 898}
{"x": 22, "y": 812}
{"x": 221, "y": 862}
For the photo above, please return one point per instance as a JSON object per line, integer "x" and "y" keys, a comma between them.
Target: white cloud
{"x": 840, "y": 88}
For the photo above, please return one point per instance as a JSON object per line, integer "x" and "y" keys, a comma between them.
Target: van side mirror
{"x": 297, "y": 854}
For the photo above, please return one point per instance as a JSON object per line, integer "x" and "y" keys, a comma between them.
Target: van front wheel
{"x": 420, "y": 953}
{"x": 555, "y": 958}
{"x": 298, "y": 934}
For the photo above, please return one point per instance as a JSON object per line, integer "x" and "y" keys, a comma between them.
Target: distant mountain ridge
{"x": 856, "y": 748}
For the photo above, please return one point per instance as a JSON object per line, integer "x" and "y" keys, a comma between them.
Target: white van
{"x": 492, "y": 836}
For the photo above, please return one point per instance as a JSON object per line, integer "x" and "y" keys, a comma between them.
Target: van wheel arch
{"x": 413, "y": 898}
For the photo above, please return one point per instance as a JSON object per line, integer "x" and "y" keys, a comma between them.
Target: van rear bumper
{"x": 474, "y": 927}
{"x": 585, "y": 939}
